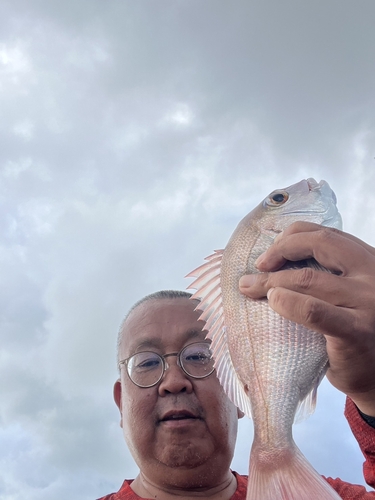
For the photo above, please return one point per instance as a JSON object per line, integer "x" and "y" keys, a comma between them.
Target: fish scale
{"x": 269, "y": 366}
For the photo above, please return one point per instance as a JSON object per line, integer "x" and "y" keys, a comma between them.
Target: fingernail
{"x": 248, "y": 280}
{"x": 278, "y": 236}
{"x": 270, "y": 292}
{"x": 259, "y": 260}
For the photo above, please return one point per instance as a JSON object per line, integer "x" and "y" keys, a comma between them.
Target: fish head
{"x": 307, "y": 200}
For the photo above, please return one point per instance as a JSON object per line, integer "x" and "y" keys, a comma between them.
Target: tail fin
{"x": 291, "y": 478}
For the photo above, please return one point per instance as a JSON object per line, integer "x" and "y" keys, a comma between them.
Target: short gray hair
{"x": 160, "y": 295}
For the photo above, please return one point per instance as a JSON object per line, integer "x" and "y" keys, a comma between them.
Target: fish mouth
{"x": 315, "y": 186}
{"x": 321, "y": 186}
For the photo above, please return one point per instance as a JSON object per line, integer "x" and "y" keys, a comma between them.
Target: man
{"x": 178, "y": 423}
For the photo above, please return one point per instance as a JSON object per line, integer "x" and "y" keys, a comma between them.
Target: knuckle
{"x": 364, "y": 324}
{"x": 305, "y": 278}
{"x": 268, "y": 280}
{"x": 264, "y": 283}
{"x": 277, "y": 299}
{"x": 312, "y": 312}
{"x": 257, "y": 287}
{"x": 295, "y": 227}
{"x": 328, "y": 234}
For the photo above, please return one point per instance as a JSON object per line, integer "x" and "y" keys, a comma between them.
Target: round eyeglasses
{"x": 147, "y": 368}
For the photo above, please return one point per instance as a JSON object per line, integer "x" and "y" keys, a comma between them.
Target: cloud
{"x": 133, "y": 138}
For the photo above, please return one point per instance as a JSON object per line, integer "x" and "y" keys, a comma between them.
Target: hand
{"x": 340, "y": 305}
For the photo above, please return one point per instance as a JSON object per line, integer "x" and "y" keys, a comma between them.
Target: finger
{"x": 319, "y": 284}
{"x": 313, "y": 313}
{"x": 330, "y": 247}
{"x": 306, "y": 227}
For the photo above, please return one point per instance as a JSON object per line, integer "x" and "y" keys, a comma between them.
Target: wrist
{"x": 365, "y": 404}
{"x": 367, "y": 418}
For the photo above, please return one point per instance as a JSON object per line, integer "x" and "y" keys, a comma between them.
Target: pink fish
{"x": 269, "y": 366}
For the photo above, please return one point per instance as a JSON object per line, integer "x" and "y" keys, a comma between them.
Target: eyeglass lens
{"x": 146, "y": 368}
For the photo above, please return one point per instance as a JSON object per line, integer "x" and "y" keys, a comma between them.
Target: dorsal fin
{"x": 207, "y": 284}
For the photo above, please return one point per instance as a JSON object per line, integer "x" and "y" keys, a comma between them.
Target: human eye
{"x": 197, "y": 354}
{"x": 146, "y": 361}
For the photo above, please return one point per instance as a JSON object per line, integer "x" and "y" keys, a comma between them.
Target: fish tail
{"x": 286, "y": 476}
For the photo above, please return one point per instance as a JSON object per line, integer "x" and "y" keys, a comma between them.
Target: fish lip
{"x": 321, "y": 186}
{"x": 314, "y": 185}
{"x": 178, "y": 415}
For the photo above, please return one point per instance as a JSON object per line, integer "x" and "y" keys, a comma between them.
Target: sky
{"x": 134, "y": 135}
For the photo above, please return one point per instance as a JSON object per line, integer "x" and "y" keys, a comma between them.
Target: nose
{"x": 174, "y": 380}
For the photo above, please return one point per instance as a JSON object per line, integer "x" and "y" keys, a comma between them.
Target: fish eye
{"x": 277, "y": 198}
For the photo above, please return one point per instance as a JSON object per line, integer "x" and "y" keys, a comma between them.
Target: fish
{"x": 269, "y": 367}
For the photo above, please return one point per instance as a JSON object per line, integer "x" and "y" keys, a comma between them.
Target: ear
{"x": 117, "y": 391}
{"x": 240, "y": 413}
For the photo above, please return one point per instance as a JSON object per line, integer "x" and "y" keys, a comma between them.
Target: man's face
{"x": 181, "y": 423}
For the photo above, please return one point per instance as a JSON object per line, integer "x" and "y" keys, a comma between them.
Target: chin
{"x": 185, "y": 457}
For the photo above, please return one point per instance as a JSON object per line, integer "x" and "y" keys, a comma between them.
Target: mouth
{"x": 175, "y": 416}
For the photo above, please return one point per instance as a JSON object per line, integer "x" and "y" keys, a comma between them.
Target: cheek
{"x": 138, "y": 417}
{"x": 223, "y": 416}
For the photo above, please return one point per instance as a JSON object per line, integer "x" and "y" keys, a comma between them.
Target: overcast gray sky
{"x": 134, "y": 135}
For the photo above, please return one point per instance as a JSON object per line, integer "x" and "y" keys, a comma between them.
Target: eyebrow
{"x": 194, "y": 333}
{"x": 148, "y": 343}
{"x": 155, "y": 342}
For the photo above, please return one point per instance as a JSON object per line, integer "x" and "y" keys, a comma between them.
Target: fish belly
{"x": 280, "y": 364}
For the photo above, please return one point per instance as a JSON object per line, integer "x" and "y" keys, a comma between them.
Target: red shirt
{"x": 126, "y": 493}
{"x": 364, "y": 434}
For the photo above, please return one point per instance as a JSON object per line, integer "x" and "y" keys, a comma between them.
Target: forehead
{"x": 161, "y": 324}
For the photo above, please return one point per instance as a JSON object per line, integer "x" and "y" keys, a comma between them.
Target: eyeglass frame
{"x": 124, "y": 362}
